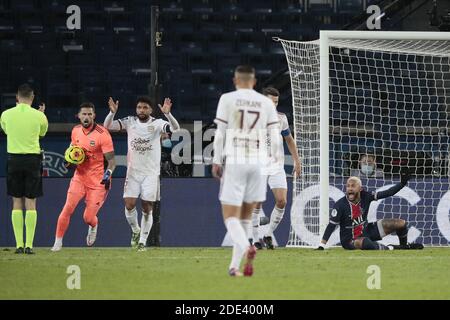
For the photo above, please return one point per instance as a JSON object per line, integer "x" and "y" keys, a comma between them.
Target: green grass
{"x": 200, "y": 273}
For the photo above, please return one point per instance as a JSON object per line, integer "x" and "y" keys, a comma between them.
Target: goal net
{"x": 385, "y": 105}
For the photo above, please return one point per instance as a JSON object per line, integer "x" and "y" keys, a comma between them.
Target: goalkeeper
{"x": 92, "y": 178}
{"x": 350, "y": 213}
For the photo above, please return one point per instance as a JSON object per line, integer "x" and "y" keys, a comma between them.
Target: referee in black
{"x": 24, "y": 126}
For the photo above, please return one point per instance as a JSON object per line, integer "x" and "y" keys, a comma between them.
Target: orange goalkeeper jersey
{"x": 96, "y": 141}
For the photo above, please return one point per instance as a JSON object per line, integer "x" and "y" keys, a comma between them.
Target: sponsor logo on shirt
{"x": 141, "y": 145}
{"x": 357, "y": 221}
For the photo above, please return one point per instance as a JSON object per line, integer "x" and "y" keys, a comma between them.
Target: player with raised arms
{"x": 92, "y": 178}
{"x": 350, "y": 213}
{"x": 143, "y": 161}
{"x": 240, "y": 155}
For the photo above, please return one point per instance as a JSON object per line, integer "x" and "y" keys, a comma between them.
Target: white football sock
{"x": 247, "y": 225}
{"x": 240, "y": 241}
{"x": 58, "y": 242}
{"x": 146, "y": 225}
{"x": 237, "y": 233}
{"x": 132, "y": 219}
{"x": 255, "y": 224}
{"x": 236, "y": 258}
{"x": 275, "y": 219}
{"x": 57, "y": 245}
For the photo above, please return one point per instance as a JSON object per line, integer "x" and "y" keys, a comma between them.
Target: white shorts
{"x": 144, "y": 187}
{"x": 277, "y": 180}
{"x": 242, "y": 183}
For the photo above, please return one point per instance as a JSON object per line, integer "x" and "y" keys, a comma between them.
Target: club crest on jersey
{"x": 92, "y": 143}
{"x": 151, "y": 129}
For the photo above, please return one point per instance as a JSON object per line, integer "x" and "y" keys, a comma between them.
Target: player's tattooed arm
{"x": 111, "y": 160}
{"x": 106, "y": 180}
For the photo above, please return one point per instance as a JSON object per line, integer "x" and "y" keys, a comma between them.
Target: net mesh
{"x": 388, "y": 108}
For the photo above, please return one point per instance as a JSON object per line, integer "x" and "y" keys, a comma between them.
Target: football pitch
{"x": 201, "y": 273}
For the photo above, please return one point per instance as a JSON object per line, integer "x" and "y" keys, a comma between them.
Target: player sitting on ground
{"x": 350, "y": 213}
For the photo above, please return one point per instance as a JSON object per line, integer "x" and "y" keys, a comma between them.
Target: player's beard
{"x": 143, "y": 117}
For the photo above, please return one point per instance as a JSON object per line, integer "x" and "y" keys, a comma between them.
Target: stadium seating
{"x": 205, "y": 38}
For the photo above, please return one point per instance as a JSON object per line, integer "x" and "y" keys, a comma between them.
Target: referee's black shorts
{"x": 24, "y": 175}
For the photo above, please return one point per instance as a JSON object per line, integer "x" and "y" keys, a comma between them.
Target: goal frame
{"x": 324, "y": 40}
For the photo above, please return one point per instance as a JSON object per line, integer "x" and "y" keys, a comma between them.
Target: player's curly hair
{"x": 145, "y": 99}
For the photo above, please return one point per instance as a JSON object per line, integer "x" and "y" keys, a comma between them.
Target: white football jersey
{"x": 247, "y": 115}
{"x": 144, "y": 144}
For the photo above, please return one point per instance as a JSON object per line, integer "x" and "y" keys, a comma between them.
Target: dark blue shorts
{"x": 370, "y": 231}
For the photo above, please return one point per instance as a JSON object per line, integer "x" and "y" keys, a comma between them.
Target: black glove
{"x": 107, "y": 179}
{"x": 404, "y": 175}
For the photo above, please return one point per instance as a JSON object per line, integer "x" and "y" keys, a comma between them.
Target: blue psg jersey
{"x": 351, "y": 217}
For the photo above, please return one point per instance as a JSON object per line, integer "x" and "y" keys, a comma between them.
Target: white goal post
{"x": 387, "y": 96}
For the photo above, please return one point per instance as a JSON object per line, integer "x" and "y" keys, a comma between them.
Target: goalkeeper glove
{"x": 404, "y": 175}
{"x": 107, "y": 179}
